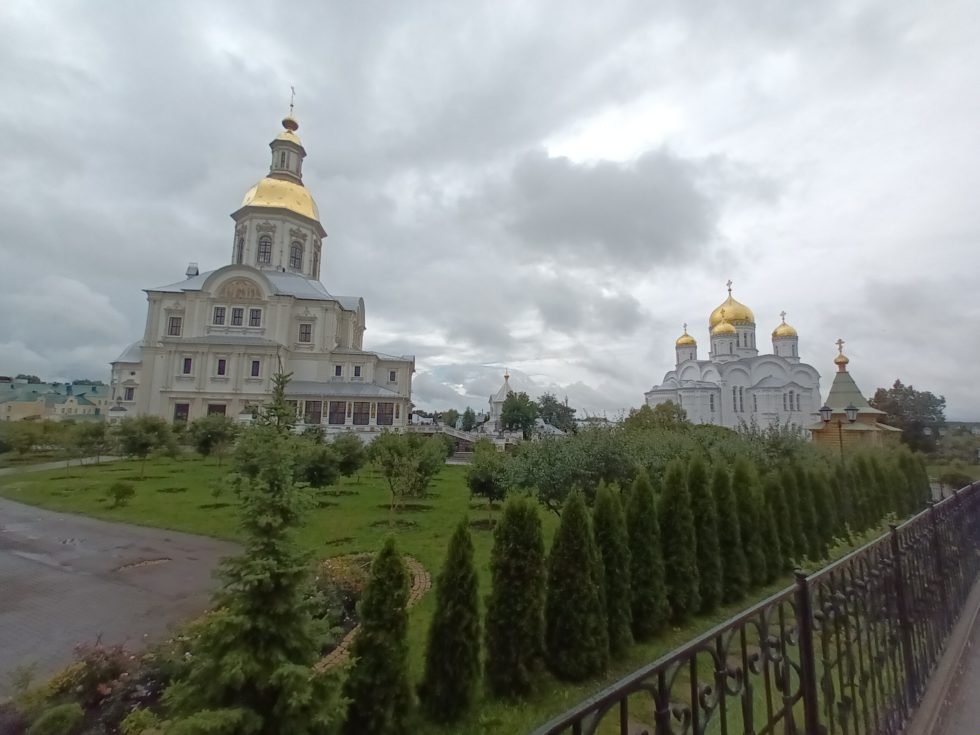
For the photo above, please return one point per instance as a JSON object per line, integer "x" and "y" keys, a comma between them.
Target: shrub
{"x": 343, "y": 579}
{"x": 452, "y": 657}
{"x": 679, "y": 544}
{"x": 351, "y": 454}
{"x": 648, "y": 592}
{"x": 90, "y": 678}
{"x": 139, "y": 722}
{"x": 318, "y": 465}
{"x": 120, "y": 493}
{"x": 706, "y": 534}
{"x": 515, "y": 608}
{"x": 612, "y": 544}
{"x": 576, "y": 634}
{"x": 63, "y": 719}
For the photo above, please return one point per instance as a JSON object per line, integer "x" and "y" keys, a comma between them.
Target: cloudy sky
{"x": 555, "y": 187}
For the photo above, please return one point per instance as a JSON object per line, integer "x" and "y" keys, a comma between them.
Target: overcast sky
{"x": 555, "y": 187}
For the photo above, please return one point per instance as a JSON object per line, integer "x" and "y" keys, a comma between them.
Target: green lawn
{"x": 188, "y": 494}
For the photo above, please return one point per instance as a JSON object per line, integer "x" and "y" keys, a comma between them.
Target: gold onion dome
{"x": 282, "y": 194}
{"x": 686, "y": 340}
{"x": 841, "y": 360}
{"x": 784, "y": 329}
{"x": 723, "y": 327}
{"x": 734, "y": 311}
{"x": 290, "y": 126}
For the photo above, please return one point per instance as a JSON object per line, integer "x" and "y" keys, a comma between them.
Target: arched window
{"x": 734, "y": 399}
{"x": 265, "y": 249}
{"x": 798, "y": 402}
{"x": 791, "y": 402}
{"x": 296, "y": 256}
{"x": 282, "y": 159}
{"x": 741, "y": 400}
{"x": 240, "y": 250}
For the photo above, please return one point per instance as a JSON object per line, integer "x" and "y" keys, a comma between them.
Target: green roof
{"x": 844, "y": 392}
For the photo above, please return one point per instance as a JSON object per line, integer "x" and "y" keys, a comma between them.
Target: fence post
{"x": 808, "y": 667}
{"x": 937, "y": 550}
{"x": 904, "y": 622}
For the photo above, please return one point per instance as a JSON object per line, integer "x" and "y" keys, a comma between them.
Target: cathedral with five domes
{"x": 214, "y": 341}
{"x": 737, "y": 386}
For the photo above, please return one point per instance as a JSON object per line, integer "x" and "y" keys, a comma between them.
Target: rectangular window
{"x": 188, "y": 365}
{"x": 222, "y": 366}
{"x": 362, "y": 413}
{"x": 338, "y": 371}
{"x": 181, "y": 412}
{"x": 755, "y": 403}
{"x": 305, "y": 332}
{"x": 219, "y": 315}
{"x": 357, "y": 371}
{"x": 237, "y": 314}
{"x": 173, "y": 326}
{"x": 312, "y": 412}
{"x": 784, "y": 401}
{"x": 711, "y": 402}
{"x": 256, "y": 368}
{"x": 398, "y": 410}
{"x": 255, "y": 317}
{"x": 216, "y": 409}
{"x": 386, "y": 414}
{"x": 337, "y": 412}
{"x": 734, "y": 399}
{"x": 129, "y": 394}
{"x": 392, "y": 376}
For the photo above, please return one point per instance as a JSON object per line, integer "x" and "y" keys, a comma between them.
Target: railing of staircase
{"x": 844, "y": 651}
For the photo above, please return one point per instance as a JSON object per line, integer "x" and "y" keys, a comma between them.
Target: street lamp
{"x": 851, "y": 412}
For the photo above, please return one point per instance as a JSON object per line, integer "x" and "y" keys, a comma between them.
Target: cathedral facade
{"x": 737, "y": 386}
{"x": 214, "y": 340}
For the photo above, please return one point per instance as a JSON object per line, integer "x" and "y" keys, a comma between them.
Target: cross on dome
{"x": 782, "y": 315}
{"x": 840, "y": 345}
{"x": 729, "y": 284}
{"x": 292, "y": 99}
{"x": 685, "y": 327}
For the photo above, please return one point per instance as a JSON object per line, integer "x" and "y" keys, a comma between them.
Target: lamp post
{"x": 851, "y": 412}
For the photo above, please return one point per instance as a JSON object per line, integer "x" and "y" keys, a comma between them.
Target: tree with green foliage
{"x": 795, "y": 538}
{"x": 735, "y": 569}
{"x": 486, "y": 475}
{"x": 449, "y": 417}
{"x": 708, "y": 554}
{"x": 775, "y": 536}
{"x": 351, "y": 454}
{"x": 612, "y": 544}
{"x": 518, "y": 413}
{"x": 140, "y": 437}
{"x": 576, "y": 634}
{"x": 277, "y": 411}
{"x": 558, "y": 414}
{"x": 469, "y": 419}
{"x": 747, "y": 505}
{"x": 664, "y": 416}
{"x": 377, "y": 689}
{"x": 120, "y": 493}
{"x": 919, "y": 414}
{"x": 824, "y": 510}
{"x": 515, "y": 608}
{"x": 92, "y": 439}
{"x": 253, "y": 665}
{"x": 24, "y": 436}
{"x": 679, "y": 544}
{"x": 452, "y": 657}
{"x": 768, "y": 533}
{"x": 648, "y": 589}
{"x": 62, "y": 719}
{"x": 318, "y": 465}
{"x": 212, "y": 435}
{"x": 408, "y": 463}
{"x": 808, "y": 514}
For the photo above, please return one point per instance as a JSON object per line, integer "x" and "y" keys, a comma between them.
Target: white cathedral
{"x": 214, "y": 340}
{"x": 736, "y": 386}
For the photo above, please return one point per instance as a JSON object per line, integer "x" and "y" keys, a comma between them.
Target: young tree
{"x": 212, "y": 435}
{"x": 351, "y": 454}
{"x": 774, "y": 515}
{"x": 667, "y": 415}
{"x": 253, "y": 664}
{"x": 808, "y": 513}
{"x": 452, "y": 658}
{"x": 705, "y": 534}
{"x": 735, "y": 570}
{"x": 377, "y": 688}
{"x": 824, "y": 511}
{"x": 648, "y": 591}
{"x": 560, "y": 415}
{"x": 318, "y": 465}
{"x": 408, "y": 463}
{"x": 515, "y": 607}
{"x": 92, "y": 439}
{"x": 745, "y": 487}
{"x": 609, "y": 526}
{"x": 449, "y": 417}
{"x": 141, "y": 436}
{"x": 919, "y": 414}
{"x": 795, "y": 539}
{"x": 486, "y": 476}
{"x": 679, "y": 544}
{"x": 469, "y": 419}
{"x": 576, "y": 633}
{"x": 518, "y": 413}
{"x": 277, "y": 412}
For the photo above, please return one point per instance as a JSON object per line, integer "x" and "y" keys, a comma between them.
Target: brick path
{"x": 421, "y": 583}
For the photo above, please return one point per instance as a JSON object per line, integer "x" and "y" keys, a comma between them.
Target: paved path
{"x": 57, "y": 465}
{"x": 66, "y": 579}
{"x": 961, "y": 715}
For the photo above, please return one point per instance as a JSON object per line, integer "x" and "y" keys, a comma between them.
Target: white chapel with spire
{"x": 214, "y": 340}
{"x": 736, "y": 385}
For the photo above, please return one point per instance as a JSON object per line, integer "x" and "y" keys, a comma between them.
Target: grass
{"x": 189, "y": 494}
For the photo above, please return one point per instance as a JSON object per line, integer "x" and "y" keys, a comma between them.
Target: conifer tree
{"x": 747, "y": 502}
{"x": 705, "y": 534}
{"x": 860, "y": 475}
{"x": 796, "y": 536}
{"x": 609, "y": 526}
{"x": 845, "y": 501}
{"x": 735, "y": 570}
{"x": 253, "y": 665}
{"x": 823, "y": 508}
{"x": 679, "y": 544}
{"x": 775, "y": 499}
{"x": 769, "y": 531}
{"x": 515, "y": 607}
{"x": 648, "y": 592}
{"x": 377, "y": 687}
{"x": 576, "y": 634}
{"x": 808, "y": 515}
{"x": 452, "y": 658}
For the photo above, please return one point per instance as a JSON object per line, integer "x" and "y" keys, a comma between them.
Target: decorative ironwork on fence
{"x": 844, "y": 651}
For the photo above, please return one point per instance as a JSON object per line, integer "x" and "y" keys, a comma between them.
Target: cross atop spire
{"x": 685, "y": 327}
{"x": 292, "y": 99}
{"x": 729, "y": 284}
{"x": 840, "y": 345}
{"x": 782, "y": 315}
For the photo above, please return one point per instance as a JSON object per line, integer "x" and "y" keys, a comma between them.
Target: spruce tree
{"x": 796, "y": 536}
{"x": 377, "y": 687}
{"x": 679, "y": 544}
{"x": 735, "y": 568}
{"x": 452, "y": 658}
{"x": 609, "y": 526}
{"x": 775, "y": 499}
{"x": 823, "y": 507}
{"x": 770, "y": 530}
{"x": 515, "y": 608}
{"x": 808, "y": 514}
{"x": 648, "y": 592}
{"x": 705, "y": 534}
{"x": 253, "y": 665}
{"x": 576, "y": 634}
{"x": 845, "y": 501}
{"x": 747, "y": 503}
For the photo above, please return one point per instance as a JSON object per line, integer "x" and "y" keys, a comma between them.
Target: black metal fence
{"x": 847, "y": 650}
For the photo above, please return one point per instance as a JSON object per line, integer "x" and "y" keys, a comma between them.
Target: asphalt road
{"x": 67, "y": 579}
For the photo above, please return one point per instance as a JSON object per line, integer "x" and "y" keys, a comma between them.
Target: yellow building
{"x": 22, "y": 401}
{"x": 848, "y": 420}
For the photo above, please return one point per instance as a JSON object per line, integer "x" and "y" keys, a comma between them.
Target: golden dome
{"x": 841, "y": 360}
{"x": 686, "y": 340}
{"x": 784, "y": 329}
{"x": 282, "y": 194}
{"x": 735, "y": 312}
{"x": 723, "y": 327}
